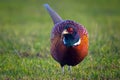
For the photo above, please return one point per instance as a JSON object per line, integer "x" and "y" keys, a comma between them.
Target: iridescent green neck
{"x": 70, "y": 40}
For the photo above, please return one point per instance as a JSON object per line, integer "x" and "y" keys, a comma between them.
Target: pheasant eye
{"x": 70, "y": 29}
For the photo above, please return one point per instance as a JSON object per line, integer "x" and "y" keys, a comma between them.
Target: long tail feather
{"x": 55, "y": 17}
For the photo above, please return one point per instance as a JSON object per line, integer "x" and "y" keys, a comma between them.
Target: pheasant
{"x": 69, "y": 40}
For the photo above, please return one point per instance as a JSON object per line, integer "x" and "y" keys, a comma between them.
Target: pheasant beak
{"x": 65, "y": 32}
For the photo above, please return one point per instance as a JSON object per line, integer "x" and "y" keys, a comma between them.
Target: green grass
{"x": 25, "y": 28}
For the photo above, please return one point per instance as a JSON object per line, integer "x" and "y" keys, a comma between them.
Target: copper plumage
{"x": 69, "y": 40}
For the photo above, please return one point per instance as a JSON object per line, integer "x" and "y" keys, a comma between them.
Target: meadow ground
{"x": 25, "y": 39}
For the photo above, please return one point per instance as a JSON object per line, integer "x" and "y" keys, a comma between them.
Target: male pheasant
{"x": 69, "y": 40}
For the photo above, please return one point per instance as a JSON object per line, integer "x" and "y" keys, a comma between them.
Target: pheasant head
{"x": 71, "y": 36}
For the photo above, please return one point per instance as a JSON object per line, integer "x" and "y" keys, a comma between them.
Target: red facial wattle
{"x": 70, "y": 30}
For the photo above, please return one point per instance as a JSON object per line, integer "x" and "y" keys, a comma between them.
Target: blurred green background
{"x": 25, "y": 28}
